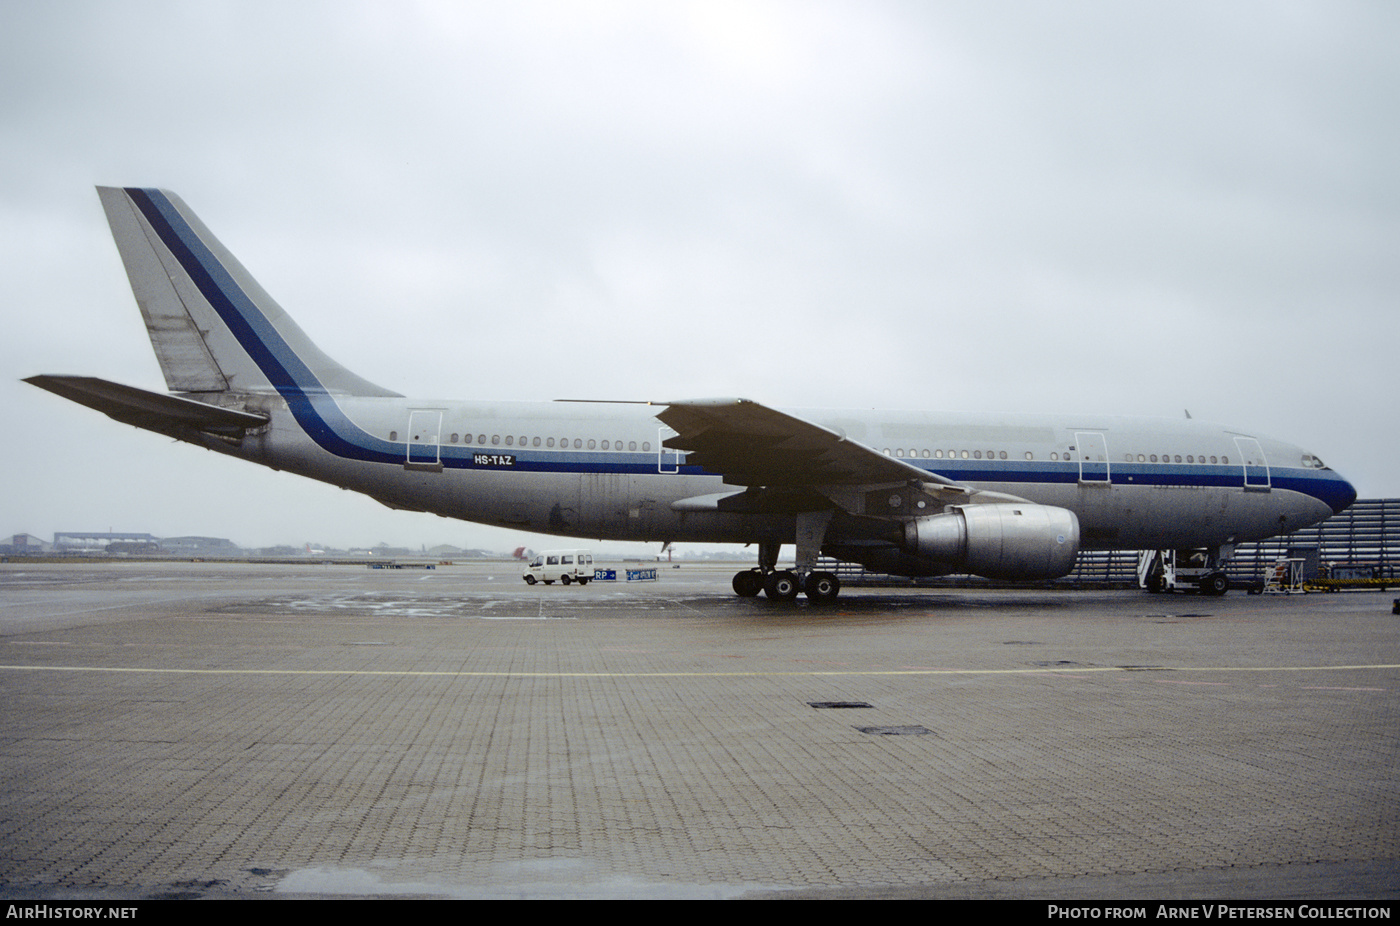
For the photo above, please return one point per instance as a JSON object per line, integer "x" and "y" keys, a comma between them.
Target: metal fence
{"x": 1364, "y": 540}
{"x": 1364, "y": 537}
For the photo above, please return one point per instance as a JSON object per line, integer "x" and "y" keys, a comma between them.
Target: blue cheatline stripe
{"x": 317, "y": 412}
{"x": 279, "y": 363}
{"x": 314, "y": 409}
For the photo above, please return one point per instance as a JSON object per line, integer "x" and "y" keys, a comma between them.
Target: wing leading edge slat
{"x": 754, "y": 445}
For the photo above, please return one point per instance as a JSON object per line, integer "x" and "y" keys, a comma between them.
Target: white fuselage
{"x": 600, "y": 470}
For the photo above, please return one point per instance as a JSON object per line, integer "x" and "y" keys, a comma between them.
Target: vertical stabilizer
{"x": 214, "y": 329}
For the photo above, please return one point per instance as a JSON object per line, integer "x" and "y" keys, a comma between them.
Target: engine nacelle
{"x": 1001, "y": 541}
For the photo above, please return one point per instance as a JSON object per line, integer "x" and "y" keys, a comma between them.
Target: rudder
{"x": 213, "y": 327}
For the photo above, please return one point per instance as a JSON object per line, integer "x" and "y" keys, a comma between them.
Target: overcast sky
{"x": 1131, "y": 208}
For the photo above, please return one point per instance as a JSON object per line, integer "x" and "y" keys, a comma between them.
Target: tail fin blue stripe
{"x": 314, "y": 409}
{"x": 249, "y": 325}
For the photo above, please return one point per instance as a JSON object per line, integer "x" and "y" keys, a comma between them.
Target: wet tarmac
{"x": 225, "y": 730}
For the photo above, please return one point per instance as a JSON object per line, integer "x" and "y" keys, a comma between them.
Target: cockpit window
{"x": 1312, "y": 462}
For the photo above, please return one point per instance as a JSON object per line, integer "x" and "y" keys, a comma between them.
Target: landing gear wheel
{"x": 781, "y": 586}
{"x": 1217, "y": 583}
{"x": 748, "y": 583}
{"x": 822, "y": 586}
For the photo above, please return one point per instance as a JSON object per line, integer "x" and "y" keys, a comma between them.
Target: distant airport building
{"x": 97, "y": 541}
{"x": 125, "y": 543}
{"x": 25, "y": 545}
{"x": 199, "y": 546}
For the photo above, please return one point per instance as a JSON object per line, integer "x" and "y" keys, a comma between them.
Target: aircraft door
{"x": 1093, "y": 457}
{"x": 424, "y": 440}
{"x": 1256, "y": 467}
{"x": 667, "y": 460}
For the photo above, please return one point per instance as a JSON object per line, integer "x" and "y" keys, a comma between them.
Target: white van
{"x": 565, "y": 565}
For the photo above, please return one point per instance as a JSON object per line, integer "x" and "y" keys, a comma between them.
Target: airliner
{"x": 909, "y": 493}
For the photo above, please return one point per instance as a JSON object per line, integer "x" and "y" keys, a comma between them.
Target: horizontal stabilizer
{"x": 167, "y": 414}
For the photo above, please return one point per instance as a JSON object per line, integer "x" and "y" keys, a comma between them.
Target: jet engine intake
{"x": 1001, "y": 541}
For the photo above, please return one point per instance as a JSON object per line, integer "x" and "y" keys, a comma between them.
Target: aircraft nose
{"x": 1342, "y": 495}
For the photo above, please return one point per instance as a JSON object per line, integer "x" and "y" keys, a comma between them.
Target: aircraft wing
{"x": 754, "y": 445}
{"x": 166, "y": 414}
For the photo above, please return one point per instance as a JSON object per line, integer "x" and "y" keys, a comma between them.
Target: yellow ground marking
{"x": 427, "y": 673}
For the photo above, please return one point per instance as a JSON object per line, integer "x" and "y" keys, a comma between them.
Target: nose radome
{"x": 1344, "y": 495}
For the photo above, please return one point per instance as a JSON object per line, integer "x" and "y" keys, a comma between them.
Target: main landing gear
{"x": 784, "y": 584}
